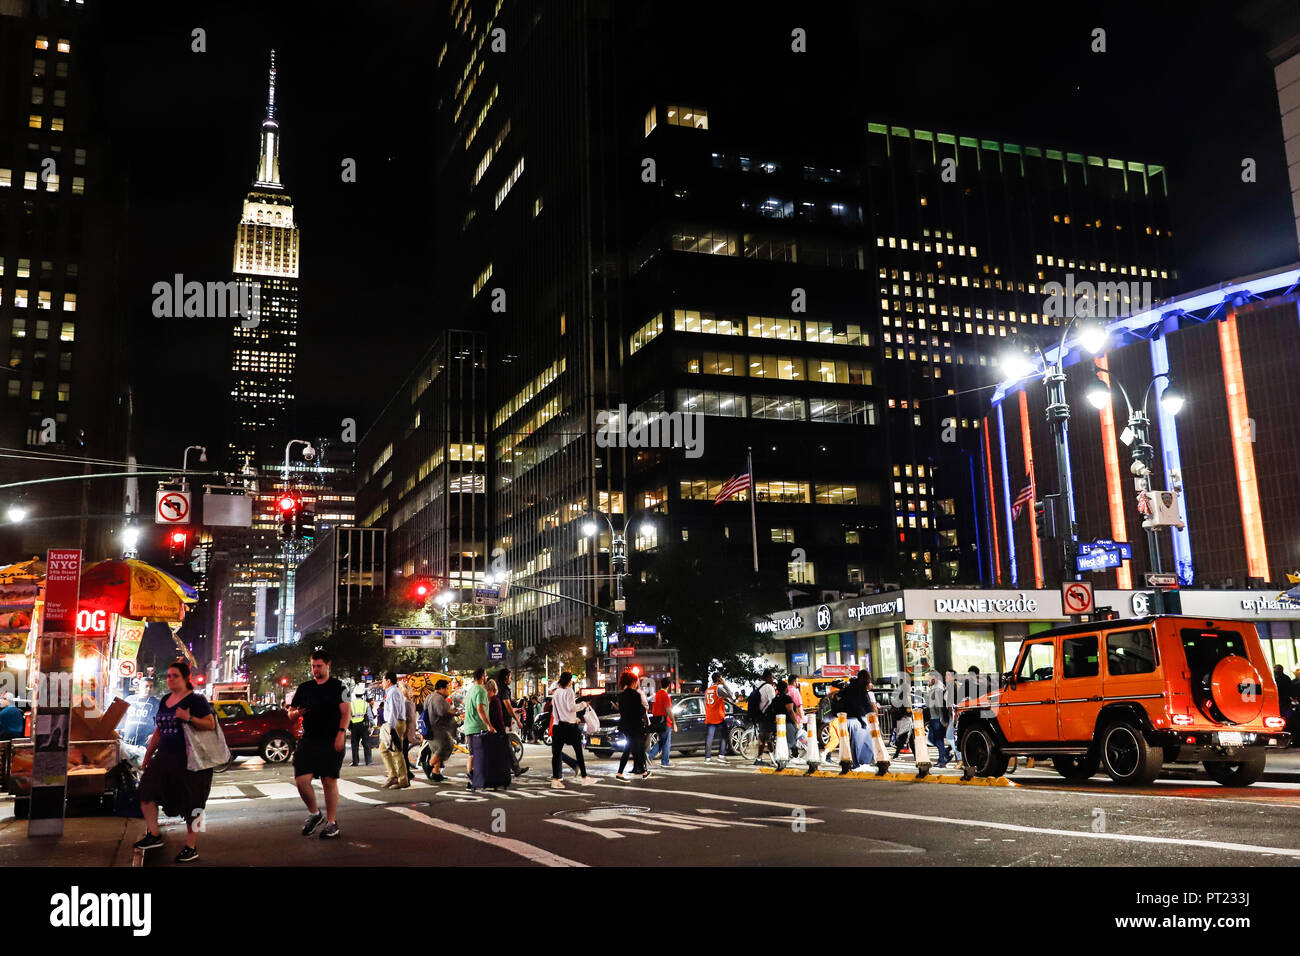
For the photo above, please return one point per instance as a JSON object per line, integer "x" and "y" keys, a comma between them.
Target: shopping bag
{"x": 590, "y": 722}
{"x": 205, "y": 749}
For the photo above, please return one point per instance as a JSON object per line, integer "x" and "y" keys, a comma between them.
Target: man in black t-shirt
{"x": 326, "y": 712}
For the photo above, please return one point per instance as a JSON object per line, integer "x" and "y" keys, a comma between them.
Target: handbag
{"x": 205, "y": 749}
{"x": 590, "y": 721}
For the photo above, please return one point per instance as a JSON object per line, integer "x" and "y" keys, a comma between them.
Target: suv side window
{"x": 1079, "y": 657}
{"x": 1130, "y": 652}
{"x": 690, "y": 707}
{"x": 1037, "y": 662}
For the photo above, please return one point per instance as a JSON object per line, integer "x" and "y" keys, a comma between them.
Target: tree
{"x": 703, "y": 602}
{"x": 554, "y": 655}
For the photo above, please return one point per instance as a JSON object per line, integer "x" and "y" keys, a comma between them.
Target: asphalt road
{"x": 709, "y": 815}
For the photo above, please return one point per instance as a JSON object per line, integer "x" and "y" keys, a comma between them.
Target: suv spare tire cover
{"x": 1237, "y": 689}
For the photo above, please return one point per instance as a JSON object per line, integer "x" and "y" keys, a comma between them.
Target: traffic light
{"x": 178, "y": 546}
{"x": 284, "y": 682}
{"x": 198, "y": 679}
{"x": 288, "y": 508}
{"x": 305, "y": 524}
{"x": 1045, "y": 517}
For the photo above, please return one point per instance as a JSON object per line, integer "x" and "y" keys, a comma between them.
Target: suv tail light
{"x": 1275, "y": 723}
{"x": 1183, "y": 719}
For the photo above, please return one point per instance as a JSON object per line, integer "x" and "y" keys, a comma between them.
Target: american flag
{"x": 1026, "y": 495}
{"x": 732, "y": 487}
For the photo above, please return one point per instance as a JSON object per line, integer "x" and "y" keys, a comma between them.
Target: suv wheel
{"x": 1127, "y": 757}
{"x": 980, "y": 754}
{"x": 1241, "y": 774}
{"x": 1077, "y": 767}
{"x": 277, "y": 748}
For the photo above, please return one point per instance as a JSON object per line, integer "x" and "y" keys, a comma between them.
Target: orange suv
{"x": 1128, "y": 696}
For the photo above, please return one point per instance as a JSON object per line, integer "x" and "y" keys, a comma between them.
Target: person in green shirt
{"x": 476, "y": 715}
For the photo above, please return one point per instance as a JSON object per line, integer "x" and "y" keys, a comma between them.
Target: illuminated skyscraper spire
{"x": 268, "y": 166}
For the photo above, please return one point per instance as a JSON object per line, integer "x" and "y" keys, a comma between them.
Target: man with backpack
{"x": 758, "y": 707}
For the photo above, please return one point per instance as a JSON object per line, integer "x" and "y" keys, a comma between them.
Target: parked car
{"x": 270, "y": 734}
{"x": 688, "y": 738}
{"x": 1129, "y": 696}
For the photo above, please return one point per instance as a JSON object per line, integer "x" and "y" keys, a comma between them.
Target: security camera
{"x": 1139, "y": 469}
{"x": 308, "y": 453}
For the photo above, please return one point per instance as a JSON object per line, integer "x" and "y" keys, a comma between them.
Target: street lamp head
{"x": 445, "y": 598}
{"x": 1016, "y": 365}
{"x": 1093, "y": 337}
{"x": 1098, "y": 394}
{"x": 130, "y": 536}
{"x": 647, "y": 528}
{"x": 203, "y": 455}
{"x": 16, "y": 513}
{"x": 1172, "y": 400}
{"x": 589, "y": 527}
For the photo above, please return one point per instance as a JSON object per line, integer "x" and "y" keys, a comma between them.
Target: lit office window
{"x": 691, "y": 116}
{"x": 34, "y": 121}
{"x": 70, "y": 302}
{"x": 651, "y": 120}
{"x": 67, "y": 332}
{"x": 38, "y": 96}
{"x": 65, "y": 46}
{"x": 42, "y": 43}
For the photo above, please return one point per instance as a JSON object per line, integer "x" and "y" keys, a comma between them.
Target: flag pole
{"x": 753, "y": 518}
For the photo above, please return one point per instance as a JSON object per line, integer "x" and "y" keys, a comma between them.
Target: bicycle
{"x": 749, "y": 741}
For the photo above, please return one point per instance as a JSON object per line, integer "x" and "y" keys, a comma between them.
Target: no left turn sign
{"x": 1076, "y": 597}
{"x": 172, "y": 507}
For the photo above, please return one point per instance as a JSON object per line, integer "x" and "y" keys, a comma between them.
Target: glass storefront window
{"x": 974, "y": 647}
{"x": 1275, "y": 637}
{"x": 885, "y": 653}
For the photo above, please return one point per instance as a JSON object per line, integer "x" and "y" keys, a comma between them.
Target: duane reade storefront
{"x": 894, "y": 631}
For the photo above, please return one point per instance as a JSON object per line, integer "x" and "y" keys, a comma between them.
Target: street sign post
{"x": 496, "y": 652}
{"x": 1099, "y": 560}
{"x": 640, "y": 628}
{"x": 622, "y": 652}
{"x": 487, "y": 597}
{"x": 1161, "y": 580}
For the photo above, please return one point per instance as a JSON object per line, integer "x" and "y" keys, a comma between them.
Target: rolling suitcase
{"x": 492, "y": 763}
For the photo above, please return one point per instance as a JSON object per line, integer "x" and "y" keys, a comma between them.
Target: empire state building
{"x": 265, "y": 342}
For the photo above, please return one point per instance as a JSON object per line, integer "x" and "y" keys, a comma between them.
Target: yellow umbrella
{"x": 134, "y": 589}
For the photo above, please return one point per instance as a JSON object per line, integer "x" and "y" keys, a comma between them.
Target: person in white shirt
{"x": 566, "y": 730}
{"x": 393, "y": 752}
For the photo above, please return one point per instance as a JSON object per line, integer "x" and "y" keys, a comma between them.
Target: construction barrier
{"x": 781, "y": 751}
{"x": 846, "y": 749}
{"x": 879, "y": 755}
{"x": 814, "y": 745}
{"x": 920, "y": 743}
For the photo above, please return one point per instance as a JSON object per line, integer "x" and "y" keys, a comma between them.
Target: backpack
{"x": 754, "y": 703}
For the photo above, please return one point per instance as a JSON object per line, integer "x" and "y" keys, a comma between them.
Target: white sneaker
{"x": 557, "y": 785}
{"x": 586, "y": 781}
{"x": 708, "y": 760}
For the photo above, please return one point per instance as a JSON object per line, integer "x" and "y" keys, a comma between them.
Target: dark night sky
{"x": 1193, "y": 92}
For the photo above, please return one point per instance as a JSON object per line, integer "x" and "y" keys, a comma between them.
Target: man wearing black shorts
{"x": 326, "y": 711}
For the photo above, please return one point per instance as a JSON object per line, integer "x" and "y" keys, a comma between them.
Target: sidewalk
{"x": 86, "y": 841}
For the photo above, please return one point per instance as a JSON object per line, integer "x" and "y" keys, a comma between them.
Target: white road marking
{"x": 635, "y": 788}
{"x": 278, "y": 791}
{"x": 517, "y": 847}
{"x": 1087, "y": 834}
{"x": 224, "y": 791}
{"x": 610, "y": 833}
{"x": 352, "y": 791}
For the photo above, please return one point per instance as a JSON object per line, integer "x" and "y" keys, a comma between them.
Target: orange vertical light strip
{"x": 1114, "y": 486}
{"x": 1033, "y": 486}
{"x": 993, "y": 507}
{"x": 1243, "y": 452}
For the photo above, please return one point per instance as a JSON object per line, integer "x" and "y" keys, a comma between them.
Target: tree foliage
{"x": 703, "y": 601}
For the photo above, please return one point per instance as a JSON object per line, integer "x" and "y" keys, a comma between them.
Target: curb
{"x": 894, "y": 777}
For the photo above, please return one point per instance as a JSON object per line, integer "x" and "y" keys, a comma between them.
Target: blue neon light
{"x": 1173, "y": 460}
{"x": 1006, "y": 498}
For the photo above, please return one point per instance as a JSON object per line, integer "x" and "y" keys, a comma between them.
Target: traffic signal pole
{"x": 1058, "y": 417}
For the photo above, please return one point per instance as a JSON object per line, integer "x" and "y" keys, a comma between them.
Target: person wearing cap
{"x": 361, "y": 721}
{"x": 11, "y": 718}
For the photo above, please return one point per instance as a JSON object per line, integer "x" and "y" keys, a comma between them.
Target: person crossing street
{"x": 326, "y": 713}
{"x": 360, "y": 724}
{"x": 716, "y": 697}
{"x": 392, "y": 736}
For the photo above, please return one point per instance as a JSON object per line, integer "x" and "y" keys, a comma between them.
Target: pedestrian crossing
{"x": 369, "y": 788}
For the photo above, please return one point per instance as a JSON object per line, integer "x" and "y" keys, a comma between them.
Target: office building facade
{"x": 346, "y": 568}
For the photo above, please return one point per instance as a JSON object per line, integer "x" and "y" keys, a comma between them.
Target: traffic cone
{"x": 846, "y": 751}
{"x": 814, "y": 744}
{"x": 878, "y": 752}
{"x": 781, "y": 752}
{"x": 920, "y": 746}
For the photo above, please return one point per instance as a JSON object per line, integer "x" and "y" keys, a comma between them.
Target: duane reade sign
{"x": 987, "y": 605}
{"x": 791, "y": 623}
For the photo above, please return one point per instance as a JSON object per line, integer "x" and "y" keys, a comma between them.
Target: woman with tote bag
{"x": 186, "y": 745}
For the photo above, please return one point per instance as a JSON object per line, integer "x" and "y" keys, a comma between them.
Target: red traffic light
{"x": 284, "y": 682}
{"x": 178, "y": 537}
{"x": 636, "y": 670}
{"x": 422, "y": 589}
{"x": 286, "y": 503}
{"x": 198, "y": 678}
